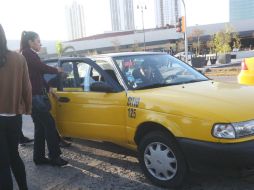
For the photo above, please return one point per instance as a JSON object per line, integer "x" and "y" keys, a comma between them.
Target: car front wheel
{"x": 161, "y": 159}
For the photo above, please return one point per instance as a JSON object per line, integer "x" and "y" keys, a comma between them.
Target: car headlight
{"x": 225, "y": 131}
{"x": 233, "y": 130}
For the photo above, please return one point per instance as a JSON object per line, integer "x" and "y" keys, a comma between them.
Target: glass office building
{"x": 122, "y": 15}
{"x": 75, "y": 21}
{"x": 167, "y": 12}
{"x": 241, "y": 10}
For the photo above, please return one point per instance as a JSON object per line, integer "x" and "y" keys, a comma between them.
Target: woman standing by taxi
{"x": 15, "y": 100}
{"x": 44, "y": 123}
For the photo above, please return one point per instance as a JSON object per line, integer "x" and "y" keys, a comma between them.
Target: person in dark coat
{"x": 44, "y": 123}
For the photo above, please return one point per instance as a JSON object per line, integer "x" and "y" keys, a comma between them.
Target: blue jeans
{"x": 45, "y": 130}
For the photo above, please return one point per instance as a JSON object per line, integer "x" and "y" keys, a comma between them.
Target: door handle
{"x": 64, "y": 99}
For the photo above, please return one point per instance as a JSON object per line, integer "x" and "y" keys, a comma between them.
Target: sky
{"x": 47, "y": 17}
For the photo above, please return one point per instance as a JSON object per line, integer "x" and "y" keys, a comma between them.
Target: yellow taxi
{"x": 246, "y": 75}
{"x": 177, "y": 119}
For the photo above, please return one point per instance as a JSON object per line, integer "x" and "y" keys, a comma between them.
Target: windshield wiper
{"x": 155, "y": 85}
{"x": 194, "y": 80}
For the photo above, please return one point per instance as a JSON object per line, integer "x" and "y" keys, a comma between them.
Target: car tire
{"x": 162, "y": 160}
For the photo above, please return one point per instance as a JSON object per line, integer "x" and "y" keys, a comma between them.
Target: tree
{"x": 60, "y": 49}
{"x": 221, "y": 42}
{"x": 180, "y": 45}
{"x": 236, "y": 41}
{"x": 195, "y": 46}
{"x": 210, "y": 45}
{"x": 196, "y": 33}
{"x": 223, "y": 39}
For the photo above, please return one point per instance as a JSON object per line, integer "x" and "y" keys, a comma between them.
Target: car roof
{"x": 49, "y": 60}
{"x": 126, "y": 54}
{"x": 106, "y": 55}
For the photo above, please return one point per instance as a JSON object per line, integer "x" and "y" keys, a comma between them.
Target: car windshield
{"x": 155, "y": 70}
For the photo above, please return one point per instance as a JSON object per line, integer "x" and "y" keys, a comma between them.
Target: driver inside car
{"x": 149, "y": 73}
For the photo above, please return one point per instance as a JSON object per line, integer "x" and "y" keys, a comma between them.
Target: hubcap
{"x": 160, "y": 161}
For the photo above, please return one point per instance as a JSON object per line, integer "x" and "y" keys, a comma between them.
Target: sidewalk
{"x": 233, "y": 63}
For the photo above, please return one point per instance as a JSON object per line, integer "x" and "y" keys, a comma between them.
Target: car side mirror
{"x": 101, "y": 87}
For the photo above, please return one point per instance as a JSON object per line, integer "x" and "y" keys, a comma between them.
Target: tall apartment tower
{"x": 241, "y": 10}
{"x": 75, "y": 21}
{"x": 167, "y": 12}
{"x": 122, "y": 15}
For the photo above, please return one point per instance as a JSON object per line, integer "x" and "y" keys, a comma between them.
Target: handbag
{"x": 41, "y": 103}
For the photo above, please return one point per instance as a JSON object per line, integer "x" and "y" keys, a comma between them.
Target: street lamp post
{"x": 142, "y": 8}
{"x": 185, "y": 35}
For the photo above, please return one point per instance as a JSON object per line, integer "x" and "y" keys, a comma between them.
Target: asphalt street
{"x": 99, "y": 165}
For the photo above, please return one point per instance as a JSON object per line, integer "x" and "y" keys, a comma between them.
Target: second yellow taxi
{"x": 246, "y": 75}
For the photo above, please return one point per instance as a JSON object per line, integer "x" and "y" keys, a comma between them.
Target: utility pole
{"x": 185, "y": 34}
{"x": 142, "y": 8}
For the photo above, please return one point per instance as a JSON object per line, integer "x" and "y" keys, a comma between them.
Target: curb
{"x": 238, "y": 63}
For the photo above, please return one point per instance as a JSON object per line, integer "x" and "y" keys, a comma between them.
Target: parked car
{"x": 181, "y": 55}
{"x": 176, "y": 119}
{"x": 246, "y": 75}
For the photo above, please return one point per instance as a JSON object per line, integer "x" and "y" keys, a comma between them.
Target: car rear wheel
{"x": 161, "y": 160}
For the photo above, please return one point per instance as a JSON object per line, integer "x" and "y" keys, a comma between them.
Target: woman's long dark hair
{"x": 3, "y": 47}
{"x": 25, "y": 37}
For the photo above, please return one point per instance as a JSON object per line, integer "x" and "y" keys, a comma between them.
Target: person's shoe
{"x": 24, "y": 140}
{"x": 43, "y": 161}
{"x": 64, "y": 144}
{"x": 58, "y": 162}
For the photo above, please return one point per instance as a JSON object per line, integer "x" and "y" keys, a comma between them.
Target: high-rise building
{"x": 241, "y": 9}
{"x": 167, "y": 12}
{"x": 75, "y": 21}
{"x": 122, "y": 15}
